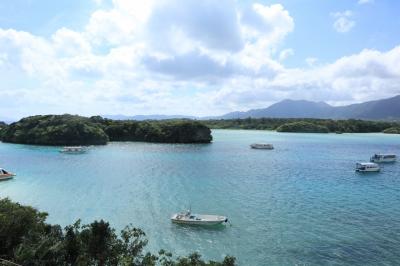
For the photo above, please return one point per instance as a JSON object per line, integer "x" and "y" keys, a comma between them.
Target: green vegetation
{"x": 302, "y": 127}
{"x": 392, "y": 130}
{"x": 26, "y": 239}
{"x": 320, "y": 125}
{"x": 78, "y": 130}
{"x": 168, "y": 131}
{"x": 54, "y": 130}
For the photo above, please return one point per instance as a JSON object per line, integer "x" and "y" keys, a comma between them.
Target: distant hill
{"x": 385, "y": 109}
{"x": 7, "y": 120}
{"x": 147, "y": 117}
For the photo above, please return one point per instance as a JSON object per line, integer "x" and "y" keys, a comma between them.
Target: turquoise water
{"x": 300, "y": 204}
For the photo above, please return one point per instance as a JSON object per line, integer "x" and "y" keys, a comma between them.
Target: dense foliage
{"x": 54, "y": 130}
{"x": 392, "y": 130}
{"x": 302, "y": 127}
{"x": 348, "y": 126}
{"x": 168, "y": 131}
{"x": 78, "y": 130}
{"x": 26, "y": 239}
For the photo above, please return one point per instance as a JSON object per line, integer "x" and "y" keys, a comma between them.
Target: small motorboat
{"x": 263, "y": 146}
{"x": 189, "y": 218}
{"x": 5, "y": 175}
{"x": 73, "y": 150}
{"x": 367, "y": 167}
{"x": 383, "y": 158}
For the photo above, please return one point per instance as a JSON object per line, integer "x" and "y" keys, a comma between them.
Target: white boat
{"x": 367, "y": 167}
{"x": 73, "y": 150}
{"x": 383, "y": 158}
{"x": 5, "y": 175}
{"x": 264, "y": 146}
{"x": 197, "y": 219}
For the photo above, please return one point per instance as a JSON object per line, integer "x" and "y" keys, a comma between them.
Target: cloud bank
{"x": 192, "y": 57}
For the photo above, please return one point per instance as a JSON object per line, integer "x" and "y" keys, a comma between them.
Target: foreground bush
{"x": 26, "y": 239}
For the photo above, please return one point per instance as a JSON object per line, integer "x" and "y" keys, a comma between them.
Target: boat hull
{"x": 199, "y": 219}
{"x": 261, "y": 147}
{"x": 383, "y": 160}
{"x": 6, "y": 177}
{"x": 368, "y": 170}
{"x": 73, "y": 152}
{"x": 197, "y": 222}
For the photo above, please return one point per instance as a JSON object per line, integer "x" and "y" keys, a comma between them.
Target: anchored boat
{"x": 5, "y": 175}
{"x": 264, "y": 146}
{"x": 383, "y": 158}
{"x": 197, "y": 219}
{"x": 367, "y": 167}
{"x": 73, "y": 150}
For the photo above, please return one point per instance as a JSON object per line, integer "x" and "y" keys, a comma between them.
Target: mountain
{"x": 384, "y": 109}
{"x": 7, "y": 120}
{"x": 147, "y": 117}
{"x": 380, "y": 109}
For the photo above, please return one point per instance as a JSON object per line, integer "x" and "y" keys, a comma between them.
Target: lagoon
{"x": 301, "y": 203}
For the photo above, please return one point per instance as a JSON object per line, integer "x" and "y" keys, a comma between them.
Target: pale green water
{"x": 301, "y": 203}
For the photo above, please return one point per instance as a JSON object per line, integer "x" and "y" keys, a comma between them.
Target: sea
{"x": 299, "y": 204}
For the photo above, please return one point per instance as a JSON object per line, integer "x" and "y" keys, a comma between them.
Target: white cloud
{"x": 368, "y": 75}
{"x": 362, "y": 2}
{"x": 343, "y": 22}
{"x": 152, "y": 57}
{"x": 70, "y": 43}
{"x": 98, "y": 2}
{"x": 311, "y": 61}
{"x": 284, "y": 54}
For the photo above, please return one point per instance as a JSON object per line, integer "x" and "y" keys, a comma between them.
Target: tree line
{"x": 305, "y": 125}
{"x": 77, "y": 130}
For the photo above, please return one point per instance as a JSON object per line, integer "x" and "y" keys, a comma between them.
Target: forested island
{"x": 27, "y": 239}
{"x": 306, "y": 125}
{"x": 78, "y": 130}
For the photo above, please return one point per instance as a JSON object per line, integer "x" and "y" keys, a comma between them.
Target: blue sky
{"x": 194, "y": 57}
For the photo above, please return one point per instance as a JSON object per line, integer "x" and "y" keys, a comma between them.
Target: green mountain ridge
{"x": 384, "y": 109}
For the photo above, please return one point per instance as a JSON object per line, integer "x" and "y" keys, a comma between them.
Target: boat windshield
{"x": 390, "y": 156}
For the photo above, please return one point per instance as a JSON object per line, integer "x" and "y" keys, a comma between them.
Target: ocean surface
{"x": 300, "y": 204}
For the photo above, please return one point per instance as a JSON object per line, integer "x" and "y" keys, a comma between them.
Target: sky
{"x": 193, "y": 57}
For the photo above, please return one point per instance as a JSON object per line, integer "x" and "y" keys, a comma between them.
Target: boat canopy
{"x": 368, "y": 164}
{"x": 3, "y": 172}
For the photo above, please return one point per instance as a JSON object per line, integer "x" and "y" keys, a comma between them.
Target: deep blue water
{"x": 300, "y": 204}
